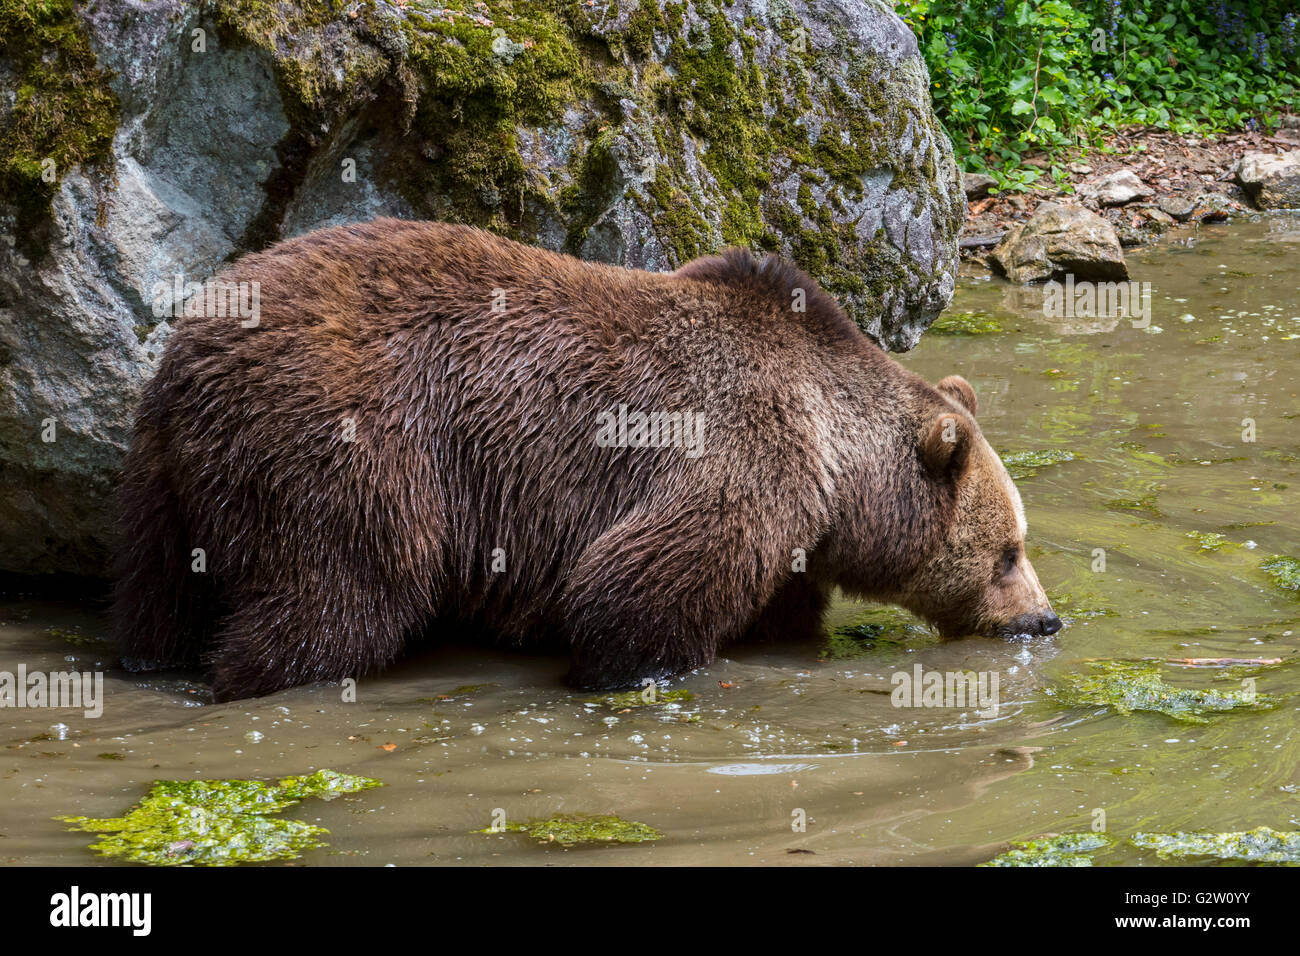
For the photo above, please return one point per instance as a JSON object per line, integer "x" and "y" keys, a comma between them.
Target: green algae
{"x": 1129, "y": 686}
{"x": 63, "y": 112}
{"x": 1025, "y": 464}
{"x": 1211, "y": 540}
{"x": 1144, "y": 504}
{"x": 75, "y": 638}
{"x": 1261, "y": 845}
{"x": 1082, "y": 602}
{"x": 573, "y": 829}
{"x": 966, "y": 323}
{"x": 637, "y": 698}
{"x": 1066, "y": 849}
{"x": 1284, "y": 571}
{"x": 1082, "y": 610}
{"x": 877, "y": 628}
{"x": 217, "y": 822}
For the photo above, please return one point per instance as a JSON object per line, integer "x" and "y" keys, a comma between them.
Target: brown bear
{"x": 428, "y": 425}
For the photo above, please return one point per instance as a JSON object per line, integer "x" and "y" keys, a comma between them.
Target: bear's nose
{"x": 1051, "y": 624}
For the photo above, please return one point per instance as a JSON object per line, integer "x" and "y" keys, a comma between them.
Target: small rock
{"x": 1116, "y": 189}
{"x": 1179, "y": 207}
{"x": 1272, "y": 181}
{"x": 1212, "y": 207}
{"x": 1082, "y": 169}
{"x": 977, "y": 185}
{"x": 980, "y": 242}
{"x": 1060, "y": 240}
{"x": 1130, "y": 235}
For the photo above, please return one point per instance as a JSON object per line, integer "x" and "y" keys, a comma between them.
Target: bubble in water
{"x": 59, "y": 731}
{"x": 254, "y": 736}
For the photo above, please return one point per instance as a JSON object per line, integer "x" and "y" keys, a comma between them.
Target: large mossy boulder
{"x": 149, "y": 141}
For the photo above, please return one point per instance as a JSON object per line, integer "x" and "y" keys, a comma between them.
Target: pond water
{"x": 1145, "y": 460}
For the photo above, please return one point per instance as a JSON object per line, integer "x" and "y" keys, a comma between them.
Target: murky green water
{"x": 1151, "y": 422}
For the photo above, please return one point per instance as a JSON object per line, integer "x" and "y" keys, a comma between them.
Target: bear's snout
{"x": 1036, "y": 624}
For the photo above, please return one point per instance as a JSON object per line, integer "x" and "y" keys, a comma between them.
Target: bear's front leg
{"x": 656, "y": 595}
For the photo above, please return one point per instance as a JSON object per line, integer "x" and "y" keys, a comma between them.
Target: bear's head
{"x": 976, "y": 578}
{"x": 951, "y": 547}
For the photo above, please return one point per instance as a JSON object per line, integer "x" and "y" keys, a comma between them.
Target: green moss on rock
{"x": 64, "y": 113}
{"x": 525, "y": 117}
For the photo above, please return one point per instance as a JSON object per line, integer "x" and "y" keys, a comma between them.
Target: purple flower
{"x": 1259, "y": 50}
{"x": 1287, "y": 29}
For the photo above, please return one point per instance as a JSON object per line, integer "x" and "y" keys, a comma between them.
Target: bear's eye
{"x": 1009, "y": 559}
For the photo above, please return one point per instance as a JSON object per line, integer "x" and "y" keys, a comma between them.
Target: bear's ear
{"x": 959, "y": 390}
{"x": 945, "y": 446}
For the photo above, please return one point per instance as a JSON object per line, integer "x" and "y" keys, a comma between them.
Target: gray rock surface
{"x": 1061, "y": 240}
{"x": 977, "y": 185}
{"x": 611, "y": 131}
{"x": 1272, "y": 181}
{"x": 1116, "y": 189}
{"x": 1179, "y": 207}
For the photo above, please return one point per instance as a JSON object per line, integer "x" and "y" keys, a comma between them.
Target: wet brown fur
{"x": 475, "y": 431}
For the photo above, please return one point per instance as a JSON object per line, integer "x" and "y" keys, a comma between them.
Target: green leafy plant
{"x": 1010, "y": 79}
